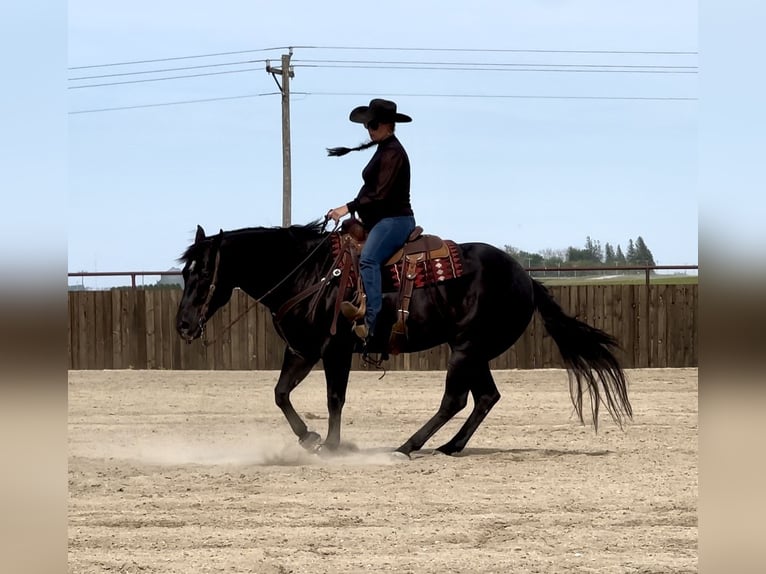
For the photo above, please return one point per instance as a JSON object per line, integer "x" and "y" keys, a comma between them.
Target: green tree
{"x": 575, "y": 255}
{"x": 619, "y": 256}
{"x": 593, "y": 249}
{"x": 630, "y": 254}
{"x": 586, "y": 257}
{"x": 643, "y": 255}
{"x": 526, "y": 258}
{"x": 553, "y": 257}
{"x": 531, "y": 259}
{"x": 565, "y": 262}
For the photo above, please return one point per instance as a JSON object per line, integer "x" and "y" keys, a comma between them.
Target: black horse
{"x": 479, "y": 314}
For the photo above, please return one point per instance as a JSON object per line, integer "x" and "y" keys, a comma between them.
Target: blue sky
{"x": 535, "y": 173}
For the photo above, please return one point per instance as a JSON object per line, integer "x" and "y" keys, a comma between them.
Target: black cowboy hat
{"x": 382, "y": 111}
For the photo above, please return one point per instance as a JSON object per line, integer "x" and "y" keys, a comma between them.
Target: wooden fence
{"x": 134, "y": 329}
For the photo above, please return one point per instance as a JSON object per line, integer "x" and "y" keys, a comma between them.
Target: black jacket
{"x": 386, "y": 189}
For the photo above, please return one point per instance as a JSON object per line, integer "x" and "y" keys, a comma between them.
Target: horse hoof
{"x": 311, "y": 441}
{"x": 398, "y": 455}
{"x": 443, "y": 452}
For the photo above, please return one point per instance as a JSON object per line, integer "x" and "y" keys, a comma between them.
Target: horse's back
{"x": 490, "y": 262}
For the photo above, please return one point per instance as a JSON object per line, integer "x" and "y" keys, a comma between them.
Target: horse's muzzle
{"x": 190, "y": 332}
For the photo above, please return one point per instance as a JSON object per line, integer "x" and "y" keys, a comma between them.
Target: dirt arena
{"x": 196, "y": 472}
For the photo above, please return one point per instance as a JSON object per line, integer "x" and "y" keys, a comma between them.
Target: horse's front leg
{"x": 337, "y": 365}
{"x": 294, "y": 370}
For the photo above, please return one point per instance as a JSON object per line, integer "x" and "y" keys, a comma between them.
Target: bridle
{"x": 211, "y": 292}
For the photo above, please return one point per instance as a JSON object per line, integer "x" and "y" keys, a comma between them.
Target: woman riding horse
{"x": 383, "y": 205}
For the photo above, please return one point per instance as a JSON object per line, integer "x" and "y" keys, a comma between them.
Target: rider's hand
{"x": 337, "y": 213}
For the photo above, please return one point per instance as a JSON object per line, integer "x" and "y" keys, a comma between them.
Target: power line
{"x": 502, "y": 50}
{"x": 507, "y": 96}
{"x": 167, "y": 70}
{"x": 177, "y": 58}
{"x": 399, "y": 49}
{"x": 499, "y": 64}
{"x": 476, "y": 69}
{"x": 243, "y": 96}
{"x": 409, "y": 95}
{"x": 367, "y": 67}
{"x": 165, "y": 78}
{"x": 387, "y": 63}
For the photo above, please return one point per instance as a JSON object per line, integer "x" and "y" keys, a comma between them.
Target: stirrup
{"x": 376, "y": 363}
{"x": 361, "y": 331}
{"x": 351, "y": 311}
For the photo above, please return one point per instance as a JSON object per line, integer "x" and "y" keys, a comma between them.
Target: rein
{"x": 210, "y": 291}
{"x": 252, "y": 303}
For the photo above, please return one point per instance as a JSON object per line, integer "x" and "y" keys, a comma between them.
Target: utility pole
{"x": 284, "y": 88}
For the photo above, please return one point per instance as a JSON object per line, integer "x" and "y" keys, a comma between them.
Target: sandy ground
{"x": 195, "y": 472}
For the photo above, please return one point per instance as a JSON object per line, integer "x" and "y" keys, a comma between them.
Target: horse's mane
{"x": 303, "y": 232}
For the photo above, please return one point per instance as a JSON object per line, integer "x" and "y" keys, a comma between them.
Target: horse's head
{"x": 205, "y": 286}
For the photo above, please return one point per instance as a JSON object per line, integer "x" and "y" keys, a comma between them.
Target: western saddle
{"x": 417, "y": 250}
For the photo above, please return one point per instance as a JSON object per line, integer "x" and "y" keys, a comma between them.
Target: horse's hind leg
{"x": 294, "y": 370}
{"x": 485, "y": 395}
{"x": 454, "y": 400}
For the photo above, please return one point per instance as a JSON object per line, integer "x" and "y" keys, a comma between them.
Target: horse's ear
{"x": 217, "y": 239}
{"x": 200, "y": 234}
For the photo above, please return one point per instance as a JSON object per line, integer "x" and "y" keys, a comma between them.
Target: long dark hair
{"x": 339, "y": 151}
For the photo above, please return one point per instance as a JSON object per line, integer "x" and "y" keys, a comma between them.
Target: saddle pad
{"x": 428, "y": 271}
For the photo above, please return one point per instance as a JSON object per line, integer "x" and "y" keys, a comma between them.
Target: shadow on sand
{"x": 513, "y": 453}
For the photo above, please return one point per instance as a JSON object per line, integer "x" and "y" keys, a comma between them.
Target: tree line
{"x": 560, "y": 262}
{"x": 564, "y": 262}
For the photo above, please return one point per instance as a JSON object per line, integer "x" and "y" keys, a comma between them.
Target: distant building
{"x": 172, "y": 279}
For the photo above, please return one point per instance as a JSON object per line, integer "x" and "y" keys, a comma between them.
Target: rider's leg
{"x": 386, "y": 236}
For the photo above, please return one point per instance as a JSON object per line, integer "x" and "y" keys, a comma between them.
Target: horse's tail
{"x": 588, "y": 356}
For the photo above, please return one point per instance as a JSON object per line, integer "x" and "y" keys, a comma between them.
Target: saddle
{"x": 417, "y": 243}
{"x": 423, "y": 260}
{"x": 412, "y": 266}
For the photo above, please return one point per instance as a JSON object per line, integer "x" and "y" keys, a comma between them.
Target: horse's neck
{"x": 273, "y": 267}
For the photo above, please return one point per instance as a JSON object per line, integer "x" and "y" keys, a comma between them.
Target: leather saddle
{"x": 417, "y": 250}
{"x": 423, "y": 259}
{"x": 418, "y": 243}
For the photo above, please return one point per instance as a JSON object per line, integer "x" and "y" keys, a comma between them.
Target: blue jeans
{"x": 383, "y": 240}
